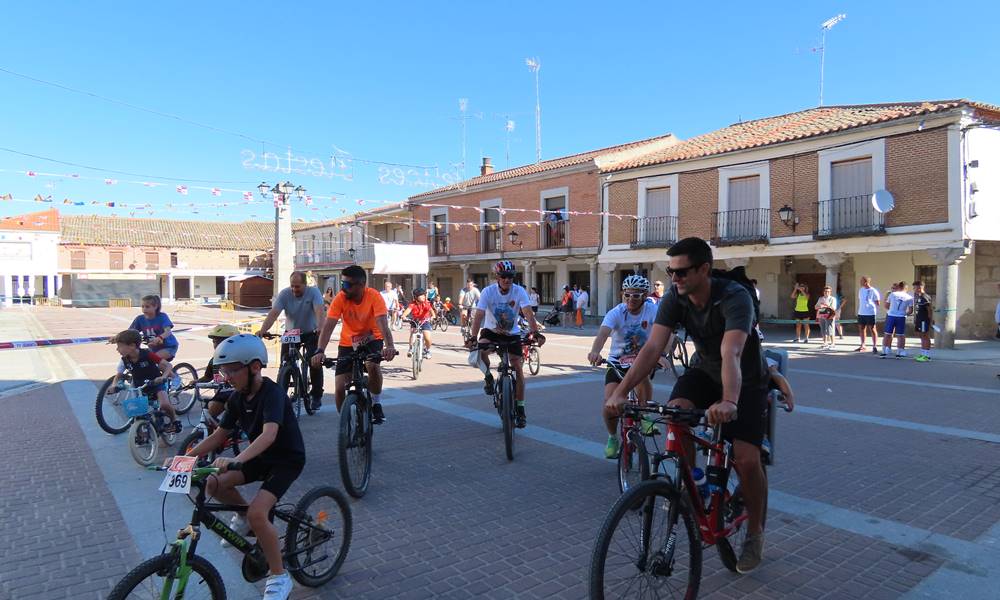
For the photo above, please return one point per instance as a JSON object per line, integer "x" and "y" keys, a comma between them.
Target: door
{"x": 220, "y": 286}
{"x": 182, "y": 289}
{"x": 546, "y": 287}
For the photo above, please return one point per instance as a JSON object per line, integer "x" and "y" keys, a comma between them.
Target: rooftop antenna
{"x": 463, "y": 105}
{"x": 826, "y": 26}
{"x": 534, "y": 65}
{"x": 509, "y": 128}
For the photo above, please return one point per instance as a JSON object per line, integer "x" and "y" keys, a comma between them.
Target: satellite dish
{"x": 883, "y": 201}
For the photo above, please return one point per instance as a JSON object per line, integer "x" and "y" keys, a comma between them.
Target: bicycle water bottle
{"x": 700, "y": 482}
{"x": 705, "y": 434}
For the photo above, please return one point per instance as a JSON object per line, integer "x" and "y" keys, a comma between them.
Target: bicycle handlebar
{"x": 366, "y": 355}
{"x": 692, "y": 416}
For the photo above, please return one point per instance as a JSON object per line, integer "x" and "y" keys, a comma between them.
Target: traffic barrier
{"x": 227, "y": 305}
{"x": 120, "y": 303}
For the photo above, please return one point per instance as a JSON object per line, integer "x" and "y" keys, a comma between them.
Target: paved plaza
{"x": 887, "y": 483}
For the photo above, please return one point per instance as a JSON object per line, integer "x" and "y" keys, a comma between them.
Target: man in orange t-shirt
{"x": 362, "y": 311}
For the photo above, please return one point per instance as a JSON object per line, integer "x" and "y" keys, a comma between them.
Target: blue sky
{"x": 383, "y": 84}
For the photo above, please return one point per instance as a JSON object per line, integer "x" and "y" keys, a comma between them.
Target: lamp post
{"x": 284, "y": 250}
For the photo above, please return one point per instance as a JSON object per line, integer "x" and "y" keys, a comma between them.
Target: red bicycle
{"x": 651, "y": 541}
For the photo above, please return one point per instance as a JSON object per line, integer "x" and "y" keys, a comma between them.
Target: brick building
{"x": 789, "y": 197}
{"x": 542, "y": 216}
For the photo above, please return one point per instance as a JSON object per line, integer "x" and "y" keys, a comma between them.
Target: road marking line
{"x": 940, "y": 386}
{"x": 968, "y": 434}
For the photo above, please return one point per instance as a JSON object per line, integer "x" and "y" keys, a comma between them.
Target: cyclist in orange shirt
{"x": 363, "y": 313}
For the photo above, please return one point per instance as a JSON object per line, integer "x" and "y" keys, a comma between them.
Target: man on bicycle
{"x": 303, "y": 306}
{"x": 391, "y": 299}
{"x": 499, "y": 306}
{"x": 727, "y": 376}
{"x": 629, "y": 325}
{"x": 421, "y": 311}
{"x": 365, "y": 324}
{"x": 276, "y": 454}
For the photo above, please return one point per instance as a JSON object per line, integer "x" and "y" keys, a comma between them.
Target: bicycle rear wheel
{"x": 534, "y": 361}
{"x": 652, "y": 552}
{"x": 152, "y": 577}
{"x": 317, "y": 544}
{"x": 288, "y": 381}
{"x": 110, "y": 411}
{"x": 633, "y": 461}
{"x": 185, "y": 397}
{"x": 143, "y": 442}
{"x": 443, "y": 323}
{"x": 507, "y": 413}
{"x": 354, "y": 445}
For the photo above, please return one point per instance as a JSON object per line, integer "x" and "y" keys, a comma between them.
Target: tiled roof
{"x": 46, "y": 220}
{"x": 794, "y": 126}
{"x": 165, "y": 233}
{"x": 621, "y": 150}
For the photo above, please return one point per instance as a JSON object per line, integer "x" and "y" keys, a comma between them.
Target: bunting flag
{"x": 216, "y": 192}
{"x": 110, "y": 182}
{"x": 248, "y": 196}
{"x": 30, "y": 173}
{"x": 182, "y": 190}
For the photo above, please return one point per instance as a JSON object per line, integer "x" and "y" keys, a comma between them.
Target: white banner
{"x": 401, "y": 259}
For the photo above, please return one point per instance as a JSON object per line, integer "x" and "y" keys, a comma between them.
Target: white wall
{"x": 766, "y": 271}
{"x": 202, "y": 286}
{"x": 984, "y": 145}
{"x": 29, "y": 252}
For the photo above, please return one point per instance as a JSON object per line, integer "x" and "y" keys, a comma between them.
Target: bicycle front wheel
{"x": 354, "y": 445}
{"x": 156, "y": 578}
{"x": 305, "y": 390}
{"x": 110, "y": 411}
{"x": 184, "y": 397}
{"x": 507, "y": 414}
{"x": 318, "y": 539}
{"x": 288, "y": 381}
{"x": 633, "y": 461}
{"x": 534, "y": 361}
{"x": 418, "y": 355}
{"x": 444, "y": 324}
{"x": 652, "y": 552}
{"x": 143, "y": 441}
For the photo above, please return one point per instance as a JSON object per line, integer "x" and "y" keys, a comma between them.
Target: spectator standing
{"x": 868, "y": 301}
{"x": 328, "y": 297}
{"x": 756, "y": 289}
{"x": 566, "y": 305}
{"x": 657, "y": 292}
{"x": 898, "y": 304}
{"x": 803, "y": 316}
{"x": 826, "y": 311}
{"x": 582, "y": 304}
{"x": 923, "y": 319}
{"x": 535, "y": 299}
{"x": 837, "y": 325}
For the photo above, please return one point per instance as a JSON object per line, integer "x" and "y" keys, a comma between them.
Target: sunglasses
{"x": 228, "y": 371}
{"x": 346, "y": 284}
{"x": 682, "y": 272}
{"x": 505, "y": 276}
{"x": 631, "y": 296}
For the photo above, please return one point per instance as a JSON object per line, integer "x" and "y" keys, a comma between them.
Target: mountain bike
{"x": 149, "y": 424}
{"x": 633, "y": 456}
{"x": 396, "y": 319}
{"x": 504, "y": 390}
{"x": 677, "y": 353}
{"x": 652, "y": 539}
{"x": 354, "y": 443}
{"x": 440, "y": 320}
{"x": 207, "y": 424}
{"x": 316, "y": 543}
{"x": 109, "y": 408}
{"x": 532, "y": 357}
{"x": 293, "y": 375}
{"x": 416, "y": 348}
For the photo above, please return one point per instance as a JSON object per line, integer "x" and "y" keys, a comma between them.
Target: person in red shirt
{"x": 421, "y": 311}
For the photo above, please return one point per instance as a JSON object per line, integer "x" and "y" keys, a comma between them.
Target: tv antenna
{"x": 827, "y": 25}
{"x": 535, "y": 65}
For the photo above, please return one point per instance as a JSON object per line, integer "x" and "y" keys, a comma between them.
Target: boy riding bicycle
{"x": 423, "y": 313}
{"x": 218, "y": 334}
{"x": 276, "y": 454}
{"x": 145, "y": 366}
{"x": 628, "y": 325}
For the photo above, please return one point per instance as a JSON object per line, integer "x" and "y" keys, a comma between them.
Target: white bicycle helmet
{"x": 243, "y": 348}
{"x": 636, "y": 282}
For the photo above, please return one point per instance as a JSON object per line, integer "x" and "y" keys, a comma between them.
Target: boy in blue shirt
{"x": 157, "y": 326}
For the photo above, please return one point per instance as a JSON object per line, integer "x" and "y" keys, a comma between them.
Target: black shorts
{"x": 803, "y": 315}
{"x": 344, "y": 352}
{"x": 277, "y": 476}
{"x": 749, "y": 426}
{"x": 611, "y": 376}
{"x": 866, "y": 320}
{"x": 513, "y": 342}
{"x": 921, "y": 324}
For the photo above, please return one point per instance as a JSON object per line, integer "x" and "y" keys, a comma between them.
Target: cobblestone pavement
{"x": 886, "y": 485}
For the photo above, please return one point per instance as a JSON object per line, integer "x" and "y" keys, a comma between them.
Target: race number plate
{"x": 178, "y": 479}
{"x": 361, "y": 340}
{"x": 626, "y": 361}
{"x": 292, "y": 336}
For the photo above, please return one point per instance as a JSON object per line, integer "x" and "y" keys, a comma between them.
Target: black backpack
{"x": 739, "y": 275}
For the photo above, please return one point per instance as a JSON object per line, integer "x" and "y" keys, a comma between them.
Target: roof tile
{"x": 165, "y": 233}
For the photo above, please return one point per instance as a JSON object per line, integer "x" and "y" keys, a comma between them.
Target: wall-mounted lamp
{"x": 787, "y": 215}
{"x": 512, "y": 238}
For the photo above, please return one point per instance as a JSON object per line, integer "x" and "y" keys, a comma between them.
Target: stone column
{"x": 52, "y": 286}
{"x": 465, "y": 273}
{"x": 170, "y": 287}
{"x": 58, "y": 287}
{"x": 832, "y": 262}
{"x": 605, "y": 300}
{"x": 9, "y": 289}
{"x": 946, "y": 303}
{"x": 283, "y": 261}
{"x": 529, "y": 274}
{"x": 562, "y": 275}
{"x": 30, "y": 284}
{"x": 594, "y": 289}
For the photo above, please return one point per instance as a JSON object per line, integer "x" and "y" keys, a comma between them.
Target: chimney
{"x": 487, "y": 167}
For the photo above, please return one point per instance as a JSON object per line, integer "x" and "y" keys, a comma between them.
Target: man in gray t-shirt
{"x": 305, "y": 311}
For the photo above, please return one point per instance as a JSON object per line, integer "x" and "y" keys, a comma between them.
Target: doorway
{"x": 182, "y": 289}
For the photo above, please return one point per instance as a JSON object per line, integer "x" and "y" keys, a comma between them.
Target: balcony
{"x": 552, "y": 234}
{"x": 654, "y": 232}
{"x": 439, "y": 244}
{"x": 736, "y": 227}
{"x": 340, "y": 257}
{"x": 489, "y": 240}
{"x": 845, "y": 217}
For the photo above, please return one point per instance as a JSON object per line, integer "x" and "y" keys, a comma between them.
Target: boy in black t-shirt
{"x": 276, "y": 454}
{"x": 923, "y": 320}
{"x": 145, "y": 366}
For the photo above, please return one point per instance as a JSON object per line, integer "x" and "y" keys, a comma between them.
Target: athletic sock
{"x": 520, "y": 402}
{"x": 376, "y": 397}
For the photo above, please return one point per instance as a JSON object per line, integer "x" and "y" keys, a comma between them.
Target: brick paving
{"x": 447, "y": 516}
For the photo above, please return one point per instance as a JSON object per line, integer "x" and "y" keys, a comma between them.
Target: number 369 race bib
{"x": 178, "y": 479}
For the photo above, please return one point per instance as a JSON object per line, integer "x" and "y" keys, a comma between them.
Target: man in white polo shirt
{"x": 868, "y": 301}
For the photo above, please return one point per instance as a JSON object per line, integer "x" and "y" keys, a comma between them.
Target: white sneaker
{"x": 278, "y": 587}
{"x": 903, "y": 353}
{"x": 240, "y": 525}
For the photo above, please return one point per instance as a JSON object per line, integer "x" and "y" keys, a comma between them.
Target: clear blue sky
{"x": 383, "y": 84}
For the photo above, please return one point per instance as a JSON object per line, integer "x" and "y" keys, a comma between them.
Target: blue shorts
{"x": 895, "y": 325}
{"x": 425, "y": 326}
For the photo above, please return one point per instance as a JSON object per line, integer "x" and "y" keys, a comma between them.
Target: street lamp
{"x": 351, "y": 251}
{"x": 787, "y": 215}
{"x": 512, "y": 238}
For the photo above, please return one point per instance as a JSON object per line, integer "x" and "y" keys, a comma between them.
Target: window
{"x": 744, "y": 193}
{"x": 152, "y": 261}
{"x": 849, "y": 208}
{"x": 244, "y": 261}
{"x": 439, "y": 247}
{"x": 492, "y": 230}
{"x": 554, "y": 231}
{"x": 116, "y": 260}
{"x": 78, "y": 259}
{"x": 927, "y": 274}
{"x": 742, "y": 219}
{"x": 173, "y": 259}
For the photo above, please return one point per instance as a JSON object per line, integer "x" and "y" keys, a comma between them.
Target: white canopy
{"x": 401, "y": 259}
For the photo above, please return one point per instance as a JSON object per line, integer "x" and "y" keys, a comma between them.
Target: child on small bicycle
{"x": 157, "y": 327}
{"x": 423, "y": 313}
{"x": 145, "y": 366}
{"x": 218, "y": 334}
{"x": 276, "y": 454}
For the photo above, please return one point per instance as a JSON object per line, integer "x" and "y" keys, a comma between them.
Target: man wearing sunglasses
{"x": 497, "y": 313}
{"x": 629, "y": 325}
{"x": 303, "y": 306}
{"x": 363, "y": 313}
{"x": 728, "y": 375}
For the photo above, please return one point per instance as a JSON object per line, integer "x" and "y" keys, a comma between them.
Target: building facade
{"x": 29, "y": 265}
{"x": 790, "y": 198}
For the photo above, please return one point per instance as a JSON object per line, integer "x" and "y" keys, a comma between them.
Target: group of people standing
{"x": 575, "y": 301}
